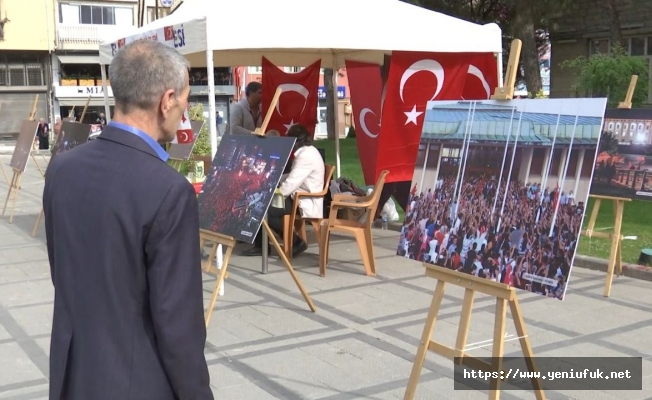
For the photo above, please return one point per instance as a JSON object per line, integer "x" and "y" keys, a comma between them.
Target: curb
{"x": 599, "y": 264}
{"x": 582, "y": 261}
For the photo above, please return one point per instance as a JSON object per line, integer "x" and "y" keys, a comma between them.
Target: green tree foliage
{"x": 203, "y": 143}
{"x": 608, "y": 75}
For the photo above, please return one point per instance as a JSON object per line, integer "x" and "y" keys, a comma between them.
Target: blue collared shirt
{"x": 148, "y": 139}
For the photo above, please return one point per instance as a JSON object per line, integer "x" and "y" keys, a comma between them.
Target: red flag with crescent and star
{"x": 298, "y": 101}
{"x": 482, "y": 78}
{"x": 415, "y": 78}
{"x": 366, "y": 87}
{"x": 184, "y": 132}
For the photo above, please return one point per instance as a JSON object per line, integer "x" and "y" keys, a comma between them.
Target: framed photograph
{"x": 24, "y": 145}
{"x": 71, "y": 135}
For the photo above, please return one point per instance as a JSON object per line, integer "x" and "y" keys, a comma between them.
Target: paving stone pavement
{"x": 264, "y": 343}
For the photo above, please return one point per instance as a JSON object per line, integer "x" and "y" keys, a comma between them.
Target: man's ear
{"x": 167, "y": 101}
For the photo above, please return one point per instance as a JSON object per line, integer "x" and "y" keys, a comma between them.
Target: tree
{"x": 608, "y": 75}
{"x": 331, "y": 95}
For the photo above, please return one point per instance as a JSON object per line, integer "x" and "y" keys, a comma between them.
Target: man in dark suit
{"x": 123, "y": 242}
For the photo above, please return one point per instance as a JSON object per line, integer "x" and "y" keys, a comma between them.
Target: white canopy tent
{"x": 288, "y": 33}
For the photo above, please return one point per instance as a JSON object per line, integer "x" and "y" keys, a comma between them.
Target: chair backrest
{"x": 328, "y": 176}
{"x": 375, "y": 197}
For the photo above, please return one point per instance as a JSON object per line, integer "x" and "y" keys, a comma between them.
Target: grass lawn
{"x": 637, "y": 220}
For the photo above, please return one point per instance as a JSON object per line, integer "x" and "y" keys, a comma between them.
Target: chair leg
{"x": 364, "y": 251}
{"x": 370, "y": 248}
{"x": 287, "y": 236}
{"x": 323, "y": 250}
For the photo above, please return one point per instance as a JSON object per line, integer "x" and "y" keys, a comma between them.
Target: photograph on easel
{"x": 510, "y": 216}
{"x": 624, "y": 164}
{"x": 182, "y": 148}
{"x": 240, "y": 185}
{"x": 71, "y": 135}
{"x": 24, "y": 145}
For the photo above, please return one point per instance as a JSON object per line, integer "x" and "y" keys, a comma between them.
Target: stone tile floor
{"x": 264, "y": 343}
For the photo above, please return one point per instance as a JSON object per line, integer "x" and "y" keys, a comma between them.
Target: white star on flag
{"x": 290, "y": 125}
{"x": 412, "y": 115}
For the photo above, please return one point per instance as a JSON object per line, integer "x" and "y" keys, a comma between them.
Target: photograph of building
{"x": 485, "y": 213}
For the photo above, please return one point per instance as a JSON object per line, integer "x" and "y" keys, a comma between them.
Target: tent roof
{"x": 297, "y": 32}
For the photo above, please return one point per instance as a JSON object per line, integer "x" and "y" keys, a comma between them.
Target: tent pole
{"x": 211, "y": 101}
{"x": 499, "y": 61}
{"x": 337, "y": 119}
{"x": 105, "y": 91}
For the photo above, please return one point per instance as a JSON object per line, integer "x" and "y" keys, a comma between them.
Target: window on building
{"x": 599, "y": 46}
{"x": 199, "y": 76}
{"x": 21, "y": 69}
{"x": 162, "y": 12}
{"x": 95, "y": 15}
{"x": 255, "y": 70}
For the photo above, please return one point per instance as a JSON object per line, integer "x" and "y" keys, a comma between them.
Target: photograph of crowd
{"x": 24, "y": 144}
{"x": 624, "y": 164}
{"x": 240, "y": 185}
{"x": 506, "y": 199}
{"x": 72, "y": 134}
{"x": 182, "y": 151}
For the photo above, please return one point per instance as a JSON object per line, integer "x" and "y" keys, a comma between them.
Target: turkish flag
{"x": 415, "y": 78}
{"x": 184, "y": 132}
{"x": 366, "y": 88}
{"x": 298, "y": 101}
{"x": 482, "y": 78}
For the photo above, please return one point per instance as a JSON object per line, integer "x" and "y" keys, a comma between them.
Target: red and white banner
{"x": 482, "y": 77}
{"x": 415, "y": 78}
{"x": 366, "y": 88}
{"x": 184, "y": 133}
{"x": 298, "y": 102}
{"x": 172, "y": 36}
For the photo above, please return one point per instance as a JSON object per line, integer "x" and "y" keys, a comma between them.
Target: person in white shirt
{"x": 306, "y": 175}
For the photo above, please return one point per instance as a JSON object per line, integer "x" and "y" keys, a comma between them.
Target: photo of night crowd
{"x": 516, "y": 233}
{"x": 240, "y": 185}
{"x": 72, "y": 134}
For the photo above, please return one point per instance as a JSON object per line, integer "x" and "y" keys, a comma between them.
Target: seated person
{"x": 306, "y": 175}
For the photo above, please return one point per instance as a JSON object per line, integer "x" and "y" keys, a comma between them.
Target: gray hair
{"x": 142, "y": 71}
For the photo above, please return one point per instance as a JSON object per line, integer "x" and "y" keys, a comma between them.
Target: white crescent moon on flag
{"x": 293, "y": 87}
{"x": 363, "y": 124}
{"x": 475, "y": 71}
{"x": 431, "y": 66}
{"x": 184, "y": 138}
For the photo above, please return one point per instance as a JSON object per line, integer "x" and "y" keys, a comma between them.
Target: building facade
{"x": 26, "y": 40}
{"x": 80, "y": 27}
{"x": 585, "y": 30}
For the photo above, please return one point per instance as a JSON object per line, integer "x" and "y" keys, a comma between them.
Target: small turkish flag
{"x": 184, "y": 133}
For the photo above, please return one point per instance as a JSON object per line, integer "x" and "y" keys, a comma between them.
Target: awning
{"x": 81, "y": 102}
{"x": 79, "y": 59}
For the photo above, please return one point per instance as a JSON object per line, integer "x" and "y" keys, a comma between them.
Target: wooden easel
{"x": 504, "y": 295}
{"x": 229, "y": 242}
{"x": 17, "y": 177}
{"x": 615, "y": 252}
{"x": 88, "y": 101}
{"x": 506, "y": 92}
{"x": 217, "y": 239}
{"x": 615, "y": 258}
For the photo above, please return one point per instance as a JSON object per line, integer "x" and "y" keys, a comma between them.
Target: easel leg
{"x": 524, "y": 339}
{"x": 12, "y": 185}
{"x": 4, "y": 173}
{"x": 37, "y": 165}
{"x": 594, "y": 215}
{"x": 220, "y": 280}
{"x": 14, "y": 197}
{"x": 615, "y": 246}
{"x": 465, "y": 322}
{"x": 288, "y": 265}
{"x": 425, "y": 341}
{"x": 38, "y": 221}
{"x": 498, "y": 346}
